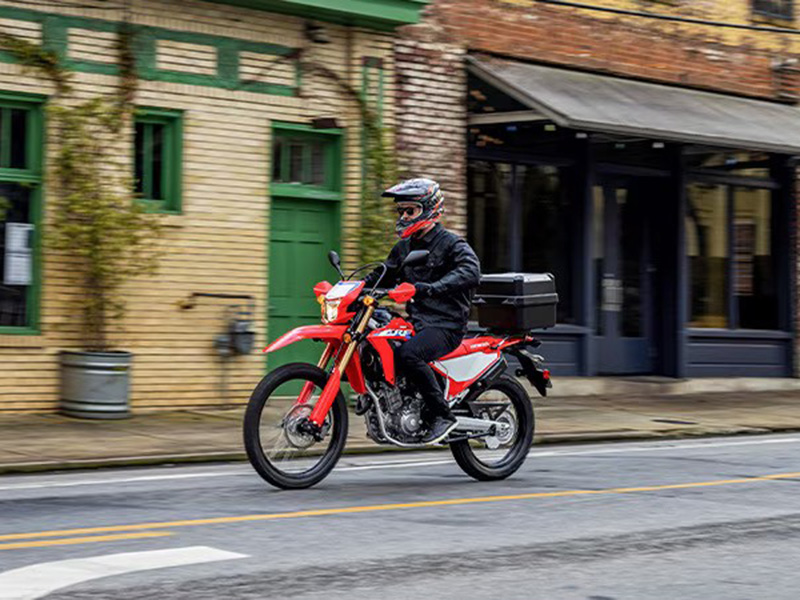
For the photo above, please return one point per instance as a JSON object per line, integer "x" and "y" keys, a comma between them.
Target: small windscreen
{"x": 341, "y": 289}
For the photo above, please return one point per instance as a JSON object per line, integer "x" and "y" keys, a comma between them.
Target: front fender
{"x": 325, "y": 333}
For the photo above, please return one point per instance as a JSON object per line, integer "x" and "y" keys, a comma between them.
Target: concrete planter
{"x": 95, "y": 385}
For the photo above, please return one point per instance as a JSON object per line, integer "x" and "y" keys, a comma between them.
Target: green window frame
{"x": 21, "y": 159}
{"x": 306, "y": 162}
{"x": 158, "y": 159}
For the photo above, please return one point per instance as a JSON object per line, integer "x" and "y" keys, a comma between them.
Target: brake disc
{"x": 291, "y": 422}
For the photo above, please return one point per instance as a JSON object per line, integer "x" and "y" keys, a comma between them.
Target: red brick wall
{"x": 624, "y": 45}
{"x": 431, "y": 83}
{"x": 432, "y": 115}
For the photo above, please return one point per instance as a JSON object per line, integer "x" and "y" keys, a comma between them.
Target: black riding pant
{"x": 413, "y": 357}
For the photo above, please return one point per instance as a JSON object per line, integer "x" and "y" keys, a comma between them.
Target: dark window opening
{"x": 157, "y": 153}
{"x": 157, "y": 160}
{"x": 520, "y": 218}
{"x": 548, "y": 230}
{"x": 18, "y": 147}
{"x": 707, "y": 248}
{"x": 738, "y": 163}
{"x": 301, "y": 160}
{"x": 139, "y": 158}
{"x": 296, "y": 163}
{"x": 14, "y": 138}
{"x": 277, "y": 158}
{"x": 16, "y": 255}
{"x": 782, "y": 9}
{"x": 732, "y": 259}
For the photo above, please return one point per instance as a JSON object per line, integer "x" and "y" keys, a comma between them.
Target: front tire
{"x": 484, "y": 464}
{"x": 281, "y": 452}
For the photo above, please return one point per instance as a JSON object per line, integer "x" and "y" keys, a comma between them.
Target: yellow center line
{"x": 86, "y": 540}
{"x": 385, "y": 507}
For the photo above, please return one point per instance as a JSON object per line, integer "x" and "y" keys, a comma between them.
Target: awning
{"x": 592, "y": 102}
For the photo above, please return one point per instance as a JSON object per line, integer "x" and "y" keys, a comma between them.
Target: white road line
{"x": 661, "y": 446}
{"x": 422, "y": 463}
{"x": 33, "y": 486}
{"x": 35, "y": 581}
{"x": 623, "y": 448}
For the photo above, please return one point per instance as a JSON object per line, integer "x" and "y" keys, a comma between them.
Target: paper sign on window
{"x": 18, "y": 260}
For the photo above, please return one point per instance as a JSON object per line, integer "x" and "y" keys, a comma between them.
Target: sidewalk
{"x": 49, "y": 441}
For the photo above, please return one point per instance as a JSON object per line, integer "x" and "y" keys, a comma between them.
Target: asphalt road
{"x": 713, "y": 518}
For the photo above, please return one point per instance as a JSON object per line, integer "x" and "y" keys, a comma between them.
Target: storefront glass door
{"x": 623, "y": 237}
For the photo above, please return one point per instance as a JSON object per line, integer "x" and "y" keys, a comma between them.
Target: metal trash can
{"x": 95, "y": 385}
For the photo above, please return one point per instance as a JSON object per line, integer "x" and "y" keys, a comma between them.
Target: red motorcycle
{"x": 296, "y": 421}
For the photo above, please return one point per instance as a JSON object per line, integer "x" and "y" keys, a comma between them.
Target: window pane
{"x": 277, "y": 156}
{"x": 598, "y": 254}
{"x": 547, "y": 230}
{"x": 774, "y": 8}
{"x": 157, "y": 190}
{"x": 707, "y": 248}
{"x": 19, "y": 143}
{"x": 296, "y": 163}
{"x": 754, "y": 281}
{"x": 317, "y": 164}
{"x": 16, "y": 261}
{"x": 138, "y": 161}
{"x": 741, "y": 163}
{"x": 489, "y": 214}
{"x": 631, "y": 207}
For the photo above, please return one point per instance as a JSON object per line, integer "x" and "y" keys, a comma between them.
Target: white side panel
{"x": 465, "y": 368}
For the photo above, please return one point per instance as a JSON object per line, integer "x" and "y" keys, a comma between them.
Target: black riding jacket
{"x": 452, "y": 269}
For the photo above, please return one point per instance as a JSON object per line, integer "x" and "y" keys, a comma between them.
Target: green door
{"x": 304, "y": 227}
{"x": 303, "y": 231}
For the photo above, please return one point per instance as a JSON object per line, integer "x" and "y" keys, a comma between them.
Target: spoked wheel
{"x": 276, "y": 437}
{"x": 500, "y": 455}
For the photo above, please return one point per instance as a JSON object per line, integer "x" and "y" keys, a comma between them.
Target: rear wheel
{"x": 278, "y": 444}
{"x": 500, "y": 455}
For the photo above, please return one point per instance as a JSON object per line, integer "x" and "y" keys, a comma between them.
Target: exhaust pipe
{"x": 473, "y": 425}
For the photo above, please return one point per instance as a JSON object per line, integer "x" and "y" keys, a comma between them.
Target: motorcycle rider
{"x": 445, "y": 286}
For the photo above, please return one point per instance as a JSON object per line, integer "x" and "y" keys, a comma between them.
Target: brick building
{"x": 641, "y": 150}
{"x": 224, "y": 145}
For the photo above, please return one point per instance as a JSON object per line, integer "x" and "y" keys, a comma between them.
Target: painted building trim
{"x": 227, "y": 74}
{"x": 376, "y": 14}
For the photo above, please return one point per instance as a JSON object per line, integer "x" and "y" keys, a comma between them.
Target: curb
{"x": 240, "y": 456}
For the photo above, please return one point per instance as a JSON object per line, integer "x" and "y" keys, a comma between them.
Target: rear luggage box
{"x": 517, "y": 301}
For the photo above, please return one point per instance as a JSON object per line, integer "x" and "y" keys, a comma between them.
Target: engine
{"x": 402, "y": 412}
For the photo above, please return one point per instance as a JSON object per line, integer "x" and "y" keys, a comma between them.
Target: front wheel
{"x": 278, "y": 446}
{"x": 498, "y": 456}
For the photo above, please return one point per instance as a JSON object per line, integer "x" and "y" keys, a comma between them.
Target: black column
{"x": 582, "y": 257}
{"x": 677, "y": 291}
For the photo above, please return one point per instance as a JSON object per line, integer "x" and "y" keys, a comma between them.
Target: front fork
{"x": 305, "y": 393}
{"x": 334, "y": 384}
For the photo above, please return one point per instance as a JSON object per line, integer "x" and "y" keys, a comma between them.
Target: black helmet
{"x": 427, "y": 194}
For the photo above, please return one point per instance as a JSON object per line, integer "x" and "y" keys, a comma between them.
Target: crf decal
{"x": 407, "y": 333}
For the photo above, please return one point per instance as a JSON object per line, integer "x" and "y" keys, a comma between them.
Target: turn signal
{"x": 369, "y": 301}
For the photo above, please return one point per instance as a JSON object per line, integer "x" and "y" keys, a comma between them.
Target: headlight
{"x": 330, "y": 310}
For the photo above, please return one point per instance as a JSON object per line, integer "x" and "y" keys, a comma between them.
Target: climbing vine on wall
{"x": 97, "y": 225}
{"x": 376, "y": 233}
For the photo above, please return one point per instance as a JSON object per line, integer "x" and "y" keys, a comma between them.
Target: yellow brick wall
{"x": 220, "y": 241}
{"x": 725, "y": 11}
